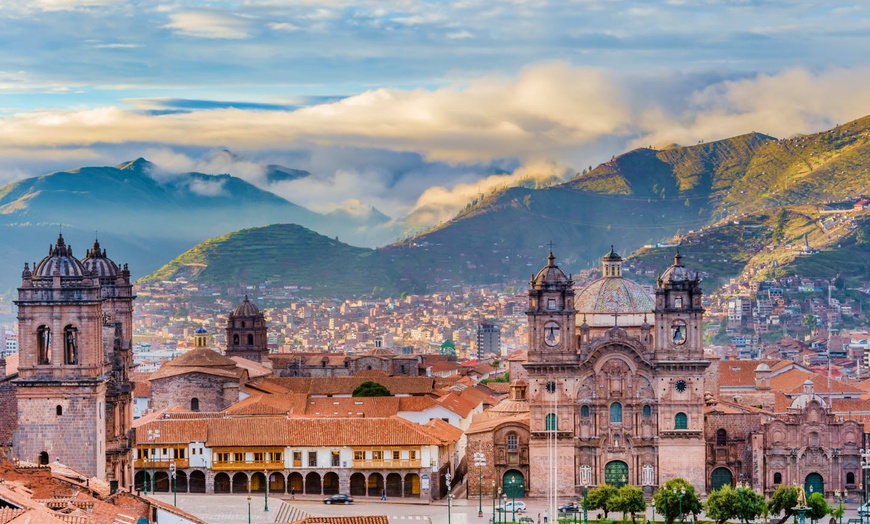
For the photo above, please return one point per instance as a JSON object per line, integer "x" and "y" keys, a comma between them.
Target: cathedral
{"x": 73, "y": 391}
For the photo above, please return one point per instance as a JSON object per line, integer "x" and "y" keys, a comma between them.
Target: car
{"x": 339, "y": 498}
{"x": 864, "y": 509}
{"x": 569, "y": 508}
{"x": 518, "y": 505}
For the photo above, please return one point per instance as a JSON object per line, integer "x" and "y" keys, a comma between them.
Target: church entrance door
{"x": 720, "y": 477}
{"x": 616, "y": 473}
{"x": 514, "y": 485}
{"x": 814, "y": 483}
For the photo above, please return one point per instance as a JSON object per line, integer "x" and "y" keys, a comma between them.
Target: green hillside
{"x": 284, "y": 253}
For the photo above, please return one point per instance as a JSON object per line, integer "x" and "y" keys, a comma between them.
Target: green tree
{"x": 721, "y": 504}
{"x": 811, "y": 322}
{"x": 779, "y": 228}
{"x": 629, "y": 499}
{"x": 818, "y": 507}
{"x": 749, "y": 504}
{"x": 371, "y": 389}
{"x": 784, "y": 498}
{"x": 837, "y": 512}
{"x": 668, "y": 496}
{"x": 602, "y": 497}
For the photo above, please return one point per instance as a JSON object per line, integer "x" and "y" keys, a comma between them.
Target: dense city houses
{"x": 569, "y": 382}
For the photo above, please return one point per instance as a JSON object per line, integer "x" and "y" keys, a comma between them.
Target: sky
{"x": 413, "y": 106}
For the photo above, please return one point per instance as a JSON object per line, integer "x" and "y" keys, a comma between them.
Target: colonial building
{"x": 73, "y": 390}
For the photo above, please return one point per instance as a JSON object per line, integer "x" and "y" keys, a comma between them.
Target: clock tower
{"x": 680, "y": 367}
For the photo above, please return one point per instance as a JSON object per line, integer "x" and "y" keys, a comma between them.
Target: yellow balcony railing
{"x": 386, "y": 464}
{"x": 248, "y": 465}
{"x": 160, "y": 464}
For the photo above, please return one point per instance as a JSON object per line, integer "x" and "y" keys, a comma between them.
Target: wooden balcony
{"x": 245, "y": 465}
{"x": 386, "y": 464}
{"x": 143, "y": 464}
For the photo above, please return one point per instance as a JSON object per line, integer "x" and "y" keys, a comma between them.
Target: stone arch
{"x": 616, "y": 473}
{"x": 721, "y": 477}
{"x": 240, "y": 483}
{"x": 258, "y": 482}
{"x": 196, "y": 483}
{"x": 312, "y": 484}
{"x": 250, "y": 339}
{"x": 357, "y": 485}
{"x": 222, "y": 483}
{"x": 375, "y": 485}
{"x": 140, "y": 480}
{"x": 276, "y": 482}
{"x": 814, "y": 483}
{"x": 394, "y": 485}
{"x": 514, "y": 484}
{"x": 295, "y": 484}
{"x": 412, "y": 485}
{"x": 70, "y": 345}
{"x": 331, "y": 484}
{"x": 194, "y": 404}
{"x": 43, "y": 345}
{"x": 180, "y": 482}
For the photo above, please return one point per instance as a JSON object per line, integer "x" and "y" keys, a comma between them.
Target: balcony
{"x": 386, "y": 464}
{"x": 248, "y": 465}
{"x": 144, "y": 464}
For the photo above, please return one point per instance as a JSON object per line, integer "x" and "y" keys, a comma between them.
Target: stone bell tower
{"x": 551, "y": 316}
{"x": 61, "y": 385}
{"x": 680, "y": 366}
{"x": 246, "y": 333}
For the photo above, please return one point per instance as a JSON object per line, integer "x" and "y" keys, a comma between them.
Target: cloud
{"x": 208, "y": 187}
{"x": 168, "y": 164}
{"x": 210, "y": 24}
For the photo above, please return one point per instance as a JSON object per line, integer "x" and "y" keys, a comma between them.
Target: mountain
{"x": 285, "y": 253}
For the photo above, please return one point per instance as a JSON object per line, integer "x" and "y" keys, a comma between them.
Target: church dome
{"x": 60, "y": 260}
{"x": 246, "y": 309}
{"x": 97, "y": 262}
{"x": 612, "y": 294}
{"x": 550, "y": 276}
{"x": 677, "y": 272}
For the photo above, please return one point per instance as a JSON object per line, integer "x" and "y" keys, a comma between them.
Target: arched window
{"x": 58, "y": 410}
{"x": 584, "y": 411}
{"x": 70, "y": 345}
{"x": 647, "y": 411}
{"x": 681, "y": 421}
{"x": 721, "y": 437}
{"x": 43, "y": 345}
{"x": 250, "y": 339}
{"x": 850, "y": 478}
{"x": 616, "y": 412}
{"x": 512, "y": 441}
{"x": 777, "y": 478}
{"x": 43, "y": 459}
{"x": 236, "y": 339}
{"x": 551, "y": 422}
{"x": 194, "y": 404}
{"x": 243, "y": 323}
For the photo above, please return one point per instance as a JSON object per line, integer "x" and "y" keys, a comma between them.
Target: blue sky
{"x": 405, "y": 104}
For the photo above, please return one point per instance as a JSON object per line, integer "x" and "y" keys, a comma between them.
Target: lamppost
{"x": 865, "y": 465}
{"x": 585, "y": 507}
{"x": 249, "y": 509}
{"x": 172, "y": 476}
{"x": 266, "y": 475}
{"x": 503, "y": 515}
{"x": 514, "y": 487}
{"x": 841, "y": 498}
{"x": 448, "y": 477}
{"x": 576, "y": 510}
{"x": 153, "y": 434}
{"x": 653, "y": 510}
{"x": 480, "y": 462}
{"x": 680, "y": 494}
{"x": 494, "y": 496}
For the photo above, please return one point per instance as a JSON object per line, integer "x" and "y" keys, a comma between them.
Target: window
{"x": 43, "y": 344}
{"x": 236, "y": 339}
{"x": 312, "y": 459}
{"x": 359, "y": 455}
{"x": 243, "y": 323}
{"x": 777, "y": 478}
{"x": 58, "y": 410}
{"x": 681, "y": 421}
{"x": 43, "y": 459}
{"x": 377, "y": 455}
{"x": 396, "y": 455}
{"x": 70, "y": 345}
{"x": 551, "y": 424}
{"x": 413, "y": 454}
{"x": 238, "y": 457}
{"x": 850, "y": 478}
{"x": 194, "y": 404}
{"x": 250, "y": 339}
{"x": 259, "y": 457}
{"x": 584, "y": 411}
{"x": 512, "y": 441}
{"x": 222, "y": 457}
{"x": 297, "y": 459}
{"x": 616, "y": 413}
{"x": 647, "y": 411}
{"x": 277, "y": 456}
{"x": 551, "y": 303}
{"x": 180, "y": 453}
{"x": 721, "y": 437}
{"x": 336, "y": 459}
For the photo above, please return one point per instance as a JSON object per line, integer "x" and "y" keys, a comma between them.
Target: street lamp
{"x": 513, "y": 483}
{"x": 172, "y": 473}
{"x": 865, "y": 465}
{"x": 153, "y": 434}
{"x": 653, "y": 510}
{"x": 480, "y": 462}
{"x": 664, "y": 491}
{"x": 841, "y": 498}
{"x": 585, "y": 507}
{"x": 680, "y": 494}
{"x": 494, "y": 495}
{"x": 448, "y": 477}
{"x": 249, "y": 509}
{"x": 266, "y": 475}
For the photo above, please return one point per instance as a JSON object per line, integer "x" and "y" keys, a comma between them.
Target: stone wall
{"x": 178, "y": 390}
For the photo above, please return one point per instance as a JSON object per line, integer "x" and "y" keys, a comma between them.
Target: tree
{"x": 721, "y": 504}
{"x": 749, "y": 504}
{"x": 784, "y": 498}
{"x": 371, "y": 389}
{"x": 668, "y": 496}
{"x": 818, "y": 506}
{"x": 811, "y": 322}
{"x": 629, "y": 499}
{"x": 602, "y": 497}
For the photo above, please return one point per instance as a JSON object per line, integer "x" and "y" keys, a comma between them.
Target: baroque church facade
{"x": 614, "y": 395}
{"x": 73, "y": 391}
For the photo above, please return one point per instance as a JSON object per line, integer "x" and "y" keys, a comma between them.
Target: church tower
{"x": 551, "y": 315}
{"x": 61, "y": 385}
{"x": 246, "y": 333}
{"x": 680, "y": 366}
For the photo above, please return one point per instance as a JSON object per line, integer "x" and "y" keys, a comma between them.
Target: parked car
{"x": 864, "y": 509}
{"x": 518, "y": 505}
{"x": 338, "y": 499}
{"x": 569, "y": 508}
